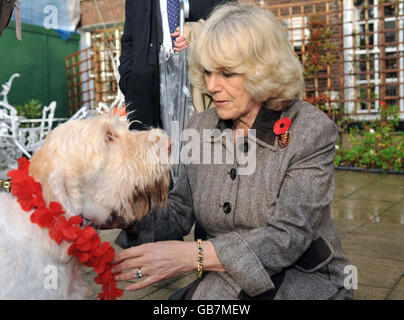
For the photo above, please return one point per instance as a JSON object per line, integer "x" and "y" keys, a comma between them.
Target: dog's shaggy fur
{"x": 93, "y": 167}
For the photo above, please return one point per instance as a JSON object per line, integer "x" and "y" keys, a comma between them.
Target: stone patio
{"x": 368, "y": 210}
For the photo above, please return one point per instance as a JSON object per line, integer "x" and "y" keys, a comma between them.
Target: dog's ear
{"x": 59, "y": 183}
{"x": 65, "y": 187}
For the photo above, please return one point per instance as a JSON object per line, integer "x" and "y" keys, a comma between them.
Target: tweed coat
{"x": 270, "y": 221}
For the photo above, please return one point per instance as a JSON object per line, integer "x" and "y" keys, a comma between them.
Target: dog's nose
{"x": 165, "y": 143}
{"x": 170, "y": 144}
{"x": 161, "y": 146}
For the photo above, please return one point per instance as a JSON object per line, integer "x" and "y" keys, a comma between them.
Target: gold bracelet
{"x": 200, "y": 258}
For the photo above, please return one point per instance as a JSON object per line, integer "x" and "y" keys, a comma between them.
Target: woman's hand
{"x": 180, "y": 42}
{"x": 156, "y": 261}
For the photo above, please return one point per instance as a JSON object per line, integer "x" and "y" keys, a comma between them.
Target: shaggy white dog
{"x": 93, "y": 168}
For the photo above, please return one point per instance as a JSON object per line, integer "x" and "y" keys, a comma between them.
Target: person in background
{"x": 148, "y": 25}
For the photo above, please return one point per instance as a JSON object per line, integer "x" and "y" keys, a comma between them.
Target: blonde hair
{"x": 248, "y": 40}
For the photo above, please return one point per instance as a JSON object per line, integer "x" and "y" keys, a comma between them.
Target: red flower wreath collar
{"x": 86, "y": 243}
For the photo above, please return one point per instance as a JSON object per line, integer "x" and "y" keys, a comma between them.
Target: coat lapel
{"x": 263, "y": 126}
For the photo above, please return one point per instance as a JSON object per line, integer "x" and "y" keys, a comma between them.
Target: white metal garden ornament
{"x": 20, "y": 136}
{"x": 25, "y": 134}
{"x": 10, "y": 148}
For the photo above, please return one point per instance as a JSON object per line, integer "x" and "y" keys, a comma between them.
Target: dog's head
{"x": 96, "y": 166}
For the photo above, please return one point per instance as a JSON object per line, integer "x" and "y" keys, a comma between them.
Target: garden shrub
{"x": 374, "y": 145}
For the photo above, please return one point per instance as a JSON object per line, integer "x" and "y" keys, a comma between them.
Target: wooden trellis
{"x": 90, "y": 71}
{"x": 80, "y": 79}
{"x": 106, "y": 44}
{"x": 363, "y": 46}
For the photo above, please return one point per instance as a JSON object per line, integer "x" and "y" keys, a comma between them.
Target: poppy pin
{"x": 281, "y": 129}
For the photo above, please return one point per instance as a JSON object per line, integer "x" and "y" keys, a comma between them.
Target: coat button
{"x": 216, "y": 134}
{"x": 233, "y": 174}
{"x": 226, "y": 208}
{"x": 244, "y": 147}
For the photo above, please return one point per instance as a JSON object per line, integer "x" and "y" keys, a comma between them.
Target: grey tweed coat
{"x": 272, "y": 222}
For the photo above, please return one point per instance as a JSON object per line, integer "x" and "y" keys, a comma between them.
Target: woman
{"x": 270, "y": 234}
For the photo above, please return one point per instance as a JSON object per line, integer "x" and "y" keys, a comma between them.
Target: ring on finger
{"x": 138, "y": 273}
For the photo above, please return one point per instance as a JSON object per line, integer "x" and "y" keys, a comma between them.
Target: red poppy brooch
{"x": 281, "y": 129}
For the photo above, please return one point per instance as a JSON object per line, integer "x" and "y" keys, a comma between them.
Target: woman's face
{"x": 230, "y": 96}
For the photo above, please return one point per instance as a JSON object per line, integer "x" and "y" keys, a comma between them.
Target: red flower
{"x": 43, "y": 217}
{"x": 109, "y": 255}
{"x": 56, "y": 231}
{"x": 56, "y": 209}
{"x": 100, "y": 268}
{"x": 86, "y": 239}
{"x": 26, "y": 190}
{"x": 383, "y": 104}
{"x": 23, "y": 167}
{"x": 77, "y": 220}
{"x": 102, "y": 249}
{"x": 282, "y": 125}
{"x": 71, "y": 233}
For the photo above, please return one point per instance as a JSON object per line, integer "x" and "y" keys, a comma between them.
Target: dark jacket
{"x": 139, "y": 66}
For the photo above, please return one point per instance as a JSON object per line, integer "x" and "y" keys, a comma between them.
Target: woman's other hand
{"x": 180, "y": 42}
{"x": 156, "y": 261}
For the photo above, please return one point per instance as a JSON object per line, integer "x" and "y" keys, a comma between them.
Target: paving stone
{"x": 373, "y": 246}
{"x": 160, "y": 294}
{"x": 400, "y": 285}
{"x": 376, "y": 207}
{"x": 379, "y": 192}
{"x": 384, "y": 231}
{"x": 398, "y": 291}
{"x": 396, "y": 295}
{"x": 139, "y": 294}
{"x": 376, "y": 272}
{"x": 390, "y": 216}
{"x": 183, "y": 281}
{"x": 345, "y": 226}
{"x": 366, "y": 292}
{"x": 398, "y": 207}
{"x": 352, "y": 214}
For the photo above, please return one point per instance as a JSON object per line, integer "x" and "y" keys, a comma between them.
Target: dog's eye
{"x": 109, "y": 137}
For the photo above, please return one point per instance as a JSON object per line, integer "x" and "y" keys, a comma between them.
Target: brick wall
{"x": 273, "y": 2}
{"x": 114, "y": 10}
{"x": 111, "y": 11}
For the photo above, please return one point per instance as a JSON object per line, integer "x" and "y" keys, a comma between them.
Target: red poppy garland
{"x": 281, "y": 129}
{"x": 86, "y": 243}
